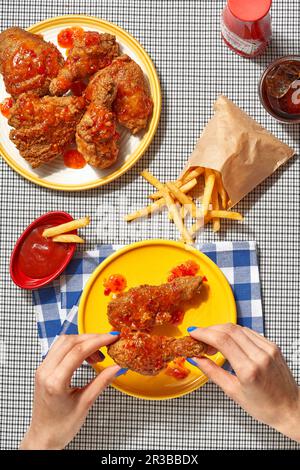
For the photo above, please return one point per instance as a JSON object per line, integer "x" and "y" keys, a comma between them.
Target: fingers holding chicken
{"x": 44, "y": 126}
{"x": 133, "y": 104}
{"x": 27, "y": 62}
{"x": 96, "y": 135}
{"x": 143, "y": 307}
{"x": 91, "y": 52}
{"x": 149, "y": 354}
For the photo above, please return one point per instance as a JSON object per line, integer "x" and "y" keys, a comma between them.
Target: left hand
{"x": 59, "y": 410}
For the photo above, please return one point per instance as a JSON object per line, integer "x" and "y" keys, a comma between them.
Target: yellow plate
{"x": 55, "y": 175}
{"x": 149, "y": 262}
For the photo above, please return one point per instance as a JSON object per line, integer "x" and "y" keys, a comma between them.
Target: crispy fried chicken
{"x": 27, "y": 62}
{"x": 96, "y": 135}
{"x": 149, "y": 354}
{"x": 133, "y": 103}
{"x": 143, "y": 307}
{"x": 91, "y": 52}
{"x": 44, "y": 126}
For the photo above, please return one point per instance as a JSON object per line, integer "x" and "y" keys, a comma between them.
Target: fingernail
{"x": 121, "y": 372}
{"x": 114, "y": 333}
{"x": 191, "y": 328}
{"x": 191, "y": 361}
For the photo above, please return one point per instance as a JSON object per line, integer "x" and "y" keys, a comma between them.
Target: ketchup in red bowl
{"x": 37, "y": 260}
{"x": 39, "y": 256}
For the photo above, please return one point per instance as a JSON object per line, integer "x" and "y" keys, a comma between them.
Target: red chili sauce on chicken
{"x": 5, "y": 106}
{"x": 27, "y": 64}
{"x": 77, "y": 88}
{"x": 115, "y": 284}
{"x": 65, "y": 37}
{"x": 189, "y": 268}
{"x": 74, "y": 159}
{"x": 177, "y": 369}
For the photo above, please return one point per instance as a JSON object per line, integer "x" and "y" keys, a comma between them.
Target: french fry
{"x": 151, "y": 179}
{"x": 70, "y": 238}
{"x": 159, "y": 204}
{"x": 213, "y": 214}
{"x": 183, "y": 199}
{"x": 182, "y": 183}
{"x": 176, "y": 216}
{"x": 208, "y": 189}
{"x": 221, "y": 190}
{"x": 225, "y": 215}
{"x": 145, "y": 211}
{"x": 158, "y": 195}
{"x": 199, "y": 224}
{"x": 186, "y": 187}
{"x": 68, "y": 227}
{"x": 173, "y": 194}
{"x": 152, "y": 208}
{"x": 183, "y": 213}
{"x": 170, "y": 205}
{"x": 193, "y": 174}
{"x": 169, "y": 213}
{"x": 215, "y": 205}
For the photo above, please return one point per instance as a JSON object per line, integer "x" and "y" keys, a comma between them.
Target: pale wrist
{"x": 290, "y": 423}
{"x": 36, "y": 441}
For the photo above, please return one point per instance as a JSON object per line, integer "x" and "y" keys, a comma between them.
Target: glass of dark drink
{"x": 279, "y": 89}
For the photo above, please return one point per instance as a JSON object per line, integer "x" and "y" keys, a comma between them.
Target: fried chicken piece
{"x": 96, "y": 134}
{"x": 143, "y": 307}
{"x": 91, "y": 52}
{"x": 149, "y": 354}
{"x": 133, "y": 104}
{"x": 27, "y": 62}
{"x": 44, "y": 126}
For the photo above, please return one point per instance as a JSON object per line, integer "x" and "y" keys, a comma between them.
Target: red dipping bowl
{"x": 17, "y": 275}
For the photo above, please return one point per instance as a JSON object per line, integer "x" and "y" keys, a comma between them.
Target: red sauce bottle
{"x": 246, "y": 26}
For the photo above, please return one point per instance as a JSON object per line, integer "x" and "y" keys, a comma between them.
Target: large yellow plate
{"x": 55, "y": 175}
{"x": 149, "y": 262}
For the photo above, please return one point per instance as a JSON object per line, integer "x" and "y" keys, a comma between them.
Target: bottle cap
{"x": 249, "y": 10}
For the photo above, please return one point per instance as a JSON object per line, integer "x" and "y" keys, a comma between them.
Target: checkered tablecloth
{"x": 56, "y": 305}
{"x": 183, "y": 39}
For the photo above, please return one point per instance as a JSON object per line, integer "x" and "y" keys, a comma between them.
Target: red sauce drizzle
{"x": 65, "y": 37}
{"x": 189, "y": 268}
{"x": 5, "y": 106}
{"x": 177, "y": 317}
{"x": 78, "y": 88}
{"x": 115, "y": 284}
{"x": 74, "y": 159}
{"x": 177, "y": 369}
{"x": 91, "y": 38}
{"x": 27, "y": 64}
{"x": 39, "y": 256}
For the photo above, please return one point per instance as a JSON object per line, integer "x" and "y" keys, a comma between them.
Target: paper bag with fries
{"x": 239, "y": 148}
{"x": 233, "y": 155}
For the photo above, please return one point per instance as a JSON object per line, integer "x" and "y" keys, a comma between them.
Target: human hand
{"x": 59, "y": 410}
{"x": 263, "y": 385}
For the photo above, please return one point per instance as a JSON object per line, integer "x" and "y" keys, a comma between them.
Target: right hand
{"x": 263, "y": 385}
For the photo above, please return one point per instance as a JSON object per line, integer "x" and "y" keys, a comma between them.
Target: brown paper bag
{"x": 239, "y": 148}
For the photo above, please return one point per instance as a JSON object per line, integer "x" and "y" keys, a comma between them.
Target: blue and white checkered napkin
{"x": 56, "y": 305}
